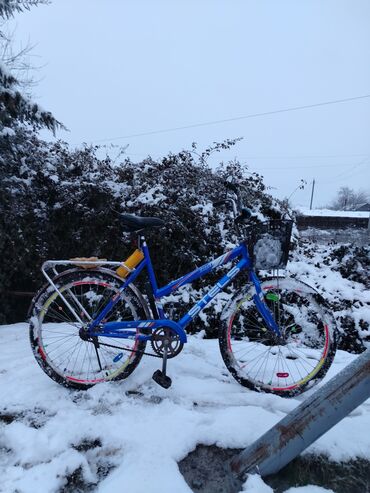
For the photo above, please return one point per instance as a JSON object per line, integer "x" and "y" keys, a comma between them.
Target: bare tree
{"x": 18, "y": 61}
{"x": 348, "y": 199}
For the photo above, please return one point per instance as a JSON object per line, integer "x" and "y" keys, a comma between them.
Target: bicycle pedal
{"x": 161, "y": 379}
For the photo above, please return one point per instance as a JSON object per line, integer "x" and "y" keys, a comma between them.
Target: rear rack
{"x": 52, "y": 265}
{"x": 50, "y": 272}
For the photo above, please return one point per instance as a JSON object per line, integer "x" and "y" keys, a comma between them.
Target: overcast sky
{"x": 116, "y": 68}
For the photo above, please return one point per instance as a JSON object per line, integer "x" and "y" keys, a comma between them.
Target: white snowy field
{"x": 135, "y": 429}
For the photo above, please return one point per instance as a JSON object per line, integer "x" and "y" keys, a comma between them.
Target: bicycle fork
{"x": 259, "y": 300}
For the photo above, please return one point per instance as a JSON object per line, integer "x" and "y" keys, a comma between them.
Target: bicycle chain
{"x": 131, "y": 350}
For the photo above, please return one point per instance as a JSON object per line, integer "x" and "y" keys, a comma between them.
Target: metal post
{"x": 313, "y": 188}
{"x": 311, "y": 419}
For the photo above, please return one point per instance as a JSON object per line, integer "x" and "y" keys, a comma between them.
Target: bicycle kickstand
{"x": 159, "y": 376}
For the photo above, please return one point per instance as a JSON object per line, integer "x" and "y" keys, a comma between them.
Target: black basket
{"x": 268, "y": 244}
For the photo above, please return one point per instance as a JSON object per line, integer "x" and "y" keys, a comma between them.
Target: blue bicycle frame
{"x": 128, "y": 330}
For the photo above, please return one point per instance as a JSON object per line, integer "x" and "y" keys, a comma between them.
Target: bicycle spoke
{"x": 98, "y": 357}
{"x": 68, "y": 349}
{"x": 261, "y": 357}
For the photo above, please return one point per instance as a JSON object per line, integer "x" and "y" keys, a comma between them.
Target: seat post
{"x": 140, "y": 240}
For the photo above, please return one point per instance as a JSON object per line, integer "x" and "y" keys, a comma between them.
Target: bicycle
{"x": 90, "y": 324}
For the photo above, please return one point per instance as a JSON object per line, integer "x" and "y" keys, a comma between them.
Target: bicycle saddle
{"x": 133, "y": 223}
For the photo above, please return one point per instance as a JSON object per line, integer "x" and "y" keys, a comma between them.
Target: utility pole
{"x": 313, "y": 188}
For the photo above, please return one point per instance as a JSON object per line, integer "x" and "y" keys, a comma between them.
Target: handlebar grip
{"x": 244, "y": 215}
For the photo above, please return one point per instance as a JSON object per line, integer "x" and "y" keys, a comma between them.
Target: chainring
{"x": 160, "y": 335}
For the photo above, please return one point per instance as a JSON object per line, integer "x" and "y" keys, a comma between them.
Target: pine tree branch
{"x": 9, "y": 7}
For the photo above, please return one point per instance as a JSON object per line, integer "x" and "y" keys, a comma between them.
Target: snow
{"x": 319, "y": 266}
{"x": 54, "y": 178}
{"x": 152, "y": 196}
{"x": 255, "y": 484}
{"x": 309, "y": 489}
{"x": 204, "y": 209}
{"x": 305, "y": 211}
{"x": 140, "y": 431}
{"x": 7, "y": 131}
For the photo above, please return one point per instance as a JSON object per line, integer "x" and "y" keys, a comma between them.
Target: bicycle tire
{"x": 54, "y": 334}
{"x": 254, "y": 355}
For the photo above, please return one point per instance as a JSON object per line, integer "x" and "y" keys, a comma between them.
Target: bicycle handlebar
{"x": 240, "y": 212}
{"x": 239, "y": 216}
{"x": 225, "y": 201}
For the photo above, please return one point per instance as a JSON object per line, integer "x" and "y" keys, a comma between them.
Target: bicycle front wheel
{"x": 285, "y": 365}
{"x": 57, "y": 335}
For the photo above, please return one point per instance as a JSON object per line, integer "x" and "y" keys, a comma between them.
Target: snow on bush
{"x": 341, "y": 275}
{"x": 59, "y": 203}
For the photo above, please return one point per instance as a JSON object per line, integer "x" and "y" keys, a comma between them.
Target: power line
{"x": 302, "y": 156}
{"x": 299, "y": 168}
{"x": 344, "y": 174}
{"x": 225, "y": 120}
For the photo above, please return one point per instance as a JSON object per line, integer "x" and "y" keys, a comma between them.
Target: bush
{"x": 58, "y": 203}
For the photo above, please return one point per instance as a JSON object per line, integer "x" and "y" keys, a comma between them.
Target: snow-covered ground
{"x": 130, "y": 435}
{"x": 136, "y": 431}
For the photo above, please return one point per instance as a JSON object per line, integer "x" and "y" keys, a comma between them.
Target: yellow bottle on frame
{"x": 129, "y": 264}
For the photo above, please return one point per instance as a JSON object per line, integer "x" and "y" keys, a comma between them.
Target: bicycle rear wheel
{"x": 59, "y": 344}
{"x": 285, "y": 366}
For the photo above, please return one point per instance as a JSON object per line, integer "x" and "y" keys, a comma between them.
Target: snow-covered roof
{"x": 305, "y": 211}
